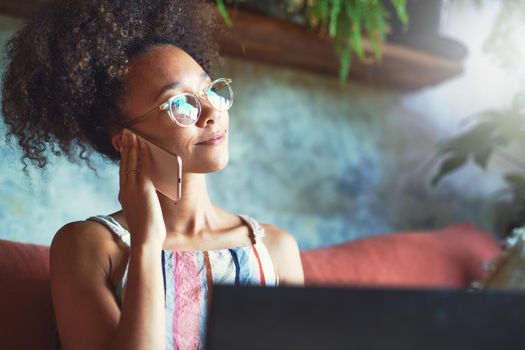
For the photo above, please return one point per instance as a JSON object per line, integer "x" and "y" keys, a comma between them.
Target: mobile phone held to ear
{"x": 166, "y": 170}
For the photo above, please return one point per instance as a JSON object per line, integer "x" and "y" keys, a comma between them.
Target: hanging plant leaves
{"x": 345, "y": 62}
{"x": 516, "y": 182}
{"x": 334, "y": 17}
{"x": 470, "y": 141}
{"x": 400, "y": 7}
{"x": 347, "y": 21}
{"x": 481, "y": 156}
{"x": 376, "y": 26}
{"x": 449, "y": 165}
{"x": 477, "y": 143}
{"x": 491, "y": 132}
{"x": 224, "y": 13}
{"x": 508, "y": 124}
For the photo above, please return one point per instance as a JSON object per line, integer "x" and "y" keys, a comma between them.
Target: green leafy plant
{"x": 492, "y": 134}
{"x": 347, "y": 22}
{"x": 495, "y": 132}
{"x": 489, "y": 133}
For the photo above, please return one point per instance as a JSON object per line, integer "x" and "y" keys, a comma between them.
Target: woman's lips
{"x": 215, "y": 140}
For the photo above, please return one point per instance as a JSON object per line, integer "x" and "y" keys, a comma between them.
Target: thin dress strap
{"x": 257, "y": 230}
{"x": 113, "y": 226}
{"x": 259, "y": 233}
{"x": 122, "y": 233}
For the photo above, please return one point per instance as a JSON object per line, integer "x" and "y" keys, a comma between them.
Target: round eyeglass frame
{"x": 166, "y": 105}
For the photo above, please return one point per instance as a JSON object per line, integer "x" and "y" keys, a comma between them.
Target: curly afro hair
{"x": 64, "y": 78}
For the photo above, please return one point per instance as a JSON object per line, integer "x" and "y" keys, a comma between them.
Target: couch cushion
{"x": 450, "y": 257}
{"x": 25, "y": 301}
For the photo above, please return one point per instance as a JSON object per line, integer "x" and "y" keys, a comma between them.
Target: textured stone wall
{"x": 326, "y": 163}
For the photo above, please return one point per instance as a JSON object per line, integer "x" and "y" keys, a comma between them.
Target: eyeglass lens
{"x": 186, "y": 108}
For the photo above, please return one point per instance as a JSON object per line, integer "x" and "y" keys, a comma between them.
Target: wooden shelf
{"x": 261, "y": 38}
{"x": 273, "y": 41}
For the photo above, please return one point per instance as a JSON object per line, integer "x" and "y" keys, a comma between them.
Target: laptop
{"x": 328, "y": 318}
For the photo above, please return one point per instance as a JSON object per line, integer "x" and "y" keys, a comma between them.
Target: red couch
{"x": 447, "y": 258}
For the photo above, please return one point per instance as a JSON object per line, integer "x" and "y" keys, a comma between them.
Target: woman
{"x": 91, "y": 75}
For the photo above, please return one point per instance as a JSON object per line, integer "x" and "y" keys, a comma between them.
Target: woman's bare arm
{"x": 285, "y": 254}
{"x": 86, "y": 309}
{"x": 87, "y": 313}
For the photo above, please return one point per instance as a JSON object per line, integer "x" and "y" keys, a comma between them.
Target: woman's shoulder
{"x": 86, "y": 234}
{"x": 278, "y": 241}
{"x": 284, "y": 251}
{"x": 83, "y": 242}
{"x": 276, "y": 236}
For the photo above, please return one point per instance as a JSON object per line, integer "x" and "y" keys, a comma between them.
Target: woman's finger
{"x": 144, "y": 159}
{"x": 124, "y": 154}
{"x": 132, "y": 169}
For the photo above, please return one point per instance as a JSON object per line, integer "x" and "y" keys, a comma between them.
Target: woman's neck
{"x": 194, "y": 213}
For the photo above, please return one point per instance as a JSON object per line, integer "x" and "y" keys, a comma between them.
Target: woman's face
{"x": 147, "y": 86}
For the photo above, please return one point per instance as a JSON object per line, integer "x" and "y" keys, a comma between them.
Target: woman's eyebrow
{"x": 170, "y": 86}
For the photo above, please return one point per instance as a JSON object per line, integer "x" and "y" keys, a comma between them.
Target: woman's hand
{"x": 137, "y": 194}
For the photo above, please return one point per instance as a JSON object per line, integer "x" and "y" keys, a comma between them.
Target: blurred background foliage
{"x": 495, "y": 133}
{"x": 490, "y": 133}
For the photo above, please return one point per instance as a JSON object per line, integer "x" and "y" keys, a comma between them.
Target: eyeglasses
{"x": 185, "y": 109}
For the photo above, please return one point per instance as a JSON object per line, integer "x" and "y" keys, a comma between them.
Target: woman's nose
{"x": 208, "y": 113}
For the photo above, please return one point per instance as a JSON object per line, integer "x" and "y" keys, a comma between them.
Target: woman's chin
{"x": 219, "y": 165}
{"x": 210, "y": 165}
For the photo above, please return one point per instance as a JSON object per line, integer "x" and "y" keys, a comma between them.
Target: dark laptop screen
{"x": 357, "y": 318}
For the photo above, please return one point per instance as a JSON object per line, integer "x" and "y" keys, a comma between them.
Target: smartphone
{"x": 166, "y": 169}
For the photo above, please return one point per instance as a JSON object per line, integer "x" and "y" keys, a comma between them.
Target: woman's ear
{"x": 116, "y": 140}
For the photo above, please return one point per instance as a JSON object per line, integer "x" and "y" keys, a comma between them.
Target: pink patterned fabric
{"x": 188, "y": 276}
{"x": 187, "y": 315}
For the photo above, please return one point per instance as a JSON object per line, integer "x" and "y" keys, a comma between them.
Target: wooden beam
{"x": 264, "y": 39}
